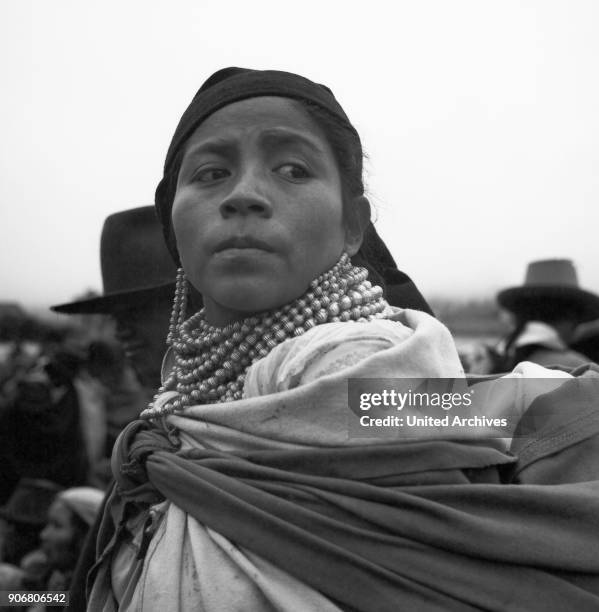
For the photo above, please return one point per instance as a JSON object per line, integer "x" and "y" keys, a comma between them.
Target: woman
{"x": 69, "y": 518}
{"x": 241, "y": 488}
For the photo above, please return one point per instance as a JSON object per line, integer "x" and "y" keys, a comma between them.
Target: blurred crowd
{"x": 63, "y": 399}
{"x": 66, "y": 391}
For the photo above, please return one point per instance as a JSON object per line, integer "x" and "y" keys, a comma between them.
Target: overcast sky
{"x": 480, "y": 120}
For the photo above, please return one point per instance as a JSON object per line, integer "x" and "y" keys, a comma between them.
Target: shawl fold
{"x": 451, "y": 546}
{"x": 412, "y": 524}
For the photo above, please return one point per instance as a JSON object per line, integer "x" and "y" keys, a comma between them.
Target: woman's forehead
{"x": 257, "y": 115}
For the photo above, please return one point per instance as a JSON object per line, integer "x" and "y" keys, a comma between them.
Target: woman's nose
{"x": 247, "y": 197}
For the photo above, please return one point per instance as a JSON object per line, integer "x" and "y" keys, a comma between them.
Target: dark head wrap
{"x": 221, "y": 89}
{"x": 234, "y": 84}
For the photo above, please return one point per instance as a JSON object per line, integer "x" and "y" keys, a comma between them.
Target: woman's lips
{"x": 242, "y": 243}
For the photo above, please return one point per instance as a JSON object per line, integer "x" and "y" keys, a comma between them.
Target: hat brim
{"x": 118, "y": 300}
{"x": 518, "y": 299}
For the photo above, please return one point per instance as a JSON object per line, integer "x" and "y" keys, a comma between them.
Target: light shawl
{"x": 269, "y": 506}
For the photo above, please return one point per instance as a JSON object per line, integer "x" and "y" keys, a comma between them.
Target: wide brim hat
{"x": 136, "y": 265}
{"x": 551, "y": 286}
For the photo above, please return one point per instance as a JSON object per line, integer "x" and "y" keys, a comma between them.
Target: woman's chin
{"x": 237, "y": 292}
{"x": 242, "y": 301}
{"x": 248, "y": 305}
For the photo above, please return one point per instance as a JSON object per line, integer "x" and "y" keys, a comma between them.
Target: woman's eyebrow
{"x": 281, "y": 137}
{"x": 274, "y": 138}
{"x": 217, "y": 146}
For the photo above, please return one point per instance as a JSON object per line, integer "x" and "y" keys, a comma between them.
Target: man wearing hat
{"x": 138, "y": 275}
{"x": 547, "y": 308}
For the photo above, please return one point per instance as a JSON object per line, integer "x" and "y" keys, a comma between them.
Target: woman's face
{"x": 58, "y": 537}
{"x": 258, "y": 209}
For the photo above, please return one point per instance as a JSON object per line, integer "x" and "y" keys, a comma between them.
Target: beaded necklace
{"x": 211, "y": 362}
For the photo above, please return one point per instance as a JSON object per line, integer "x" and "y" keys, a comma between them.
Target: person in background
{"x": 586, "y": 339}
{"x": 546, "y": 310}
{"x": 41, "y": 433}
{"x": 480, "y": 359}
{"x": 121, "y": 396}
{"x": 69, "y": 518}
{"x": 23, "y": 516}
{"x": 138, "y": 278}
{"x": 139, "y": 282}
{"x": 68, "y": 521}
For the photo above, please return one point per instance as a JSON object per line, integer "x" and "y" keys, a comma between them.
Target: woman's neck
{"x": 221, "y": 316}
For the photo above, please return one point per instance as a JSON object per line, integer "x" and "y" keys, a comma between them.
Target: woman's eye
{"x": 211, "y": 174}
{"x": 293, "y": 171}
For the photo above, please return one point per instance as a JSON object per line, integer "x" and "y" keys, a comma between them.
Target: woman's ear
{"x": 357, "y": 218}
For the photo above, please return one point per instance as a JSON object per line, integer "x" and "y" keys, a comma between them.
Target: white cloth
{"x": 537, "y": 332}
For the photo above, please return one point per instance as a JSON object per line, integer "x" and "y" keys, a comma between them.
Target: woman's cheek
{"x": 322, "y": 224}
{"x": 190, "y": 240}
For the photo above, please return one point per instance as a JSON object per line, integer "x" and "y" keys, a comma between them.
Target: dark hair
{"x": 346, "y": 147}
{"x": 550, "y": 310}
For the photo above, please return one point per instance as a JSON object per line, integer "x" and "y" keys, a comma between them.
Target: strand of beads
{"x": 211, "y": 362}
{"x": 179, "y": 306}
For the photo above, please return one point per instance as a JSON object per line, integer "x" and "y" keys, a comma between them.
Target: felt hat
{"x": 29, "y": 502}
{"x": 551, "y": 286}
{"x": 136, "y": 264}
